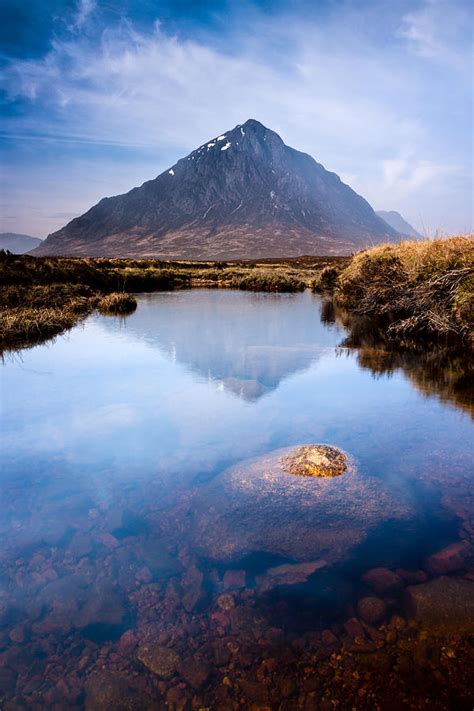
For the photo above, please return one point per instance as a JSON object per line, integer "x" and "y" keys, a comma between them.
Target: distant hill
{"x": 242, "y": 194}
{"x": 395, "y": 220}
{"x": 18, "y": 244}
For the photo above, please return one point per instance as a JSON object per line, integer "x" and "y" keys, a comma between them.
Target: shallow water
{"x": 132, "y": 481}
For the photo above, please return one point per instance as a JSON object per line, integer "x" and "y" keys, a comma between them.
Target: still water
{"x": 141, "y": 533}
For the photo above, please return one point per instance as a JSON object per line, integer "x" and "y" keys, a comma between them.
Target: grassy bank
{"x": 417, "y": 290}
{"x": 420, "y": 290}
{"x": 43, "y": 296}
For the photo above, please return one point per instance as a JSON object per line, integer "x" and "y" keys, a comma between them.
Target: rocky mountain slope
{"x": 243, "y": 194}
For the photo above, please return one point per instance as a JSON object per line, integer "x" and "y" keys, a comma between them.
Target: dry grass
{"x": 43, "y": 296}
{"x": 326, "y": 279}
{"x": 277, "y": 280}
{"x": 24, "y": 325}
{"x": 117, "y": 303}
{"x": 423, "y": 289}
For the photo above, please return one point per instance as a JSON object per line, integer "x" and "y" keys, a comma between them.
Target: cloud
{"x": 142, "y": 88}
{"x": 358, "y": 104}
{"x": 440, "y": 30}
{"x": 84, "y": 11}
{"x": 405, "y": 174}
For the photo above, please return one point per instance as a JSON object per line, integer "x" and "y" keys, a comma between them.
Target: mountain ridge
{"x": 18, "y": 243}
{"x": 242, "y": 194}
{"x": 398, "y": 223}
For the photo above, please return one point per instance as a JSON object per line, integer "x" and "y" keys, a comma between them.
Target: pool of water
{"x": 138, "y": 506}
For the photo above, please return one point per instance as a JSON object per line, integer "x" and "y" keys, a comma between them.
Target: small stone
{"x": 383, "y": 581}
{"x": 328, "y": 637}
{"x": 412, "y": 577}
{"x": 397, "y": 622}
{"x": 226, "y": 602}
{"x": 17, "y": 634}
{"x": 220, "y": 618}
{"x": 107, "y": 690}
{"x": 176, "y": 699}
{"x": 192, "y": 585}
{"x": 127, "y": 643}
{"x": 162, "y": 661}
{"x": 108, "y": 540}
{"x": 144, "y": 575}
{"x": 80, "y": 545}
{"x": 287, "y": 688}
{"x": 448, "y": 560}
{"x": 288, "y": 574}
{"x": 354, "y": 629}
{"x": 104, "y": 605}
{"x": 371, "y": 610}
{"x": 234, "y": 579}
{"x": 195, "y": 672}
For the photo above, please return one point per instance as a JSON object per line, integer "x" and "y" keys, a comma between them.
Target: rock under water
{"x": 258, "y": 507}
{"x": 318, "y": 460}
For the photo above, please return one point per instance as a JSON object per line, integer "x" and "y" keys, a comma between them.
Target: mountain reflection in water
{"x": 263, "y": 338}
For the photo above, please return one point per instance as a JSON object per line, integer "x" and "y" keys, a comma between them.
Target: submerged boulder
{"x": 108, "y": 690}
{"x": 372, "y": 610}
{"x": 162, "y": 661}
{"x": 447, "y": 560}
{"x": 443, "y": 606}
{"x": 383, "y": 581}
{"x": 287, "y": 575}
{"x": 258, "y": 506}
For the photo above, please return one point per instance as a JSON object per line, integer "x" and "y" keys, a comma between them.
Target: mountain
{"x": 243, "y": 194}
{"x": 18, "y": 244}
{"x": 398, "y": 223}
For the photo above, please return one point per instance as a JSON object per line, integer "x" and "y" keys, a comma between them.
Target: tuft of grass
{"x": 325, "y": 279}
{"x": 260, "y": 280}
{"x": 117, "y": 303}
{"x": 422, "y": 289}
{"x": 22, "y": 326}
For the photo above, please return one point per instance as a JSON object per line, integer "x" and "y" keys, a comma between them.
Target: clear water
{"x": 130, "y": 454}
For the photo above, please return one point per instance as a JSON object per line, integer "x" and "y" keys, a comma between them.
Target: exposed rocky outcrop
{"x": 317, "y": 460}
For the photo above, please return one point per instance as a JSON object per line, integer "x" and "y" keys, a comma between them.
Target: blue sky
{"x": 100, "y": 95}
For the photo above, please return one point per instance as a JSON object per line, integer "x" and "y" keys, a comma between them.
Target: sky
{"x": 100, "y": 95}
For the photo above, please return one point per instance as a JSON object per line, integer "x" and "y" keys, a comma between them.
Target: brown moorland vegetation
{"x": 43, "y": 296}
{"x": 421, "y": 289}
{"x": 417, "y": 290}
{"x": 117, "y": 303}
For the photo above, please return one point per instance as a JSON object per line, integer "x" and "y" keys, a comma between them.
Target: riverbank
{"x": 44, "y": 296}
{"x": 418, "y": 290}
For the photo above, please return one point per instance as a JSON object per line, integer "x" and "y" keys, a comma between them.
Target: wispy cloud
{"x": 440, "y": 30}
{"x": 365, "y": 110}
{"x": 84, "y": 10}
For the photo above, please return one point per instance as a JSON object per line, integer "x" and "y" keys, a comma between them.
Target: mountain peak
{"x": 253, "y": 125}
{"x": 242, "y": 194}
